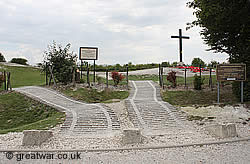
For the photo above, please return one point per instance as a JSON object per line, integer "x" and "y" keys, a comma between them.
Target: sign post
{"x": 231, "y": 72}
{"x": 88, "y": 53}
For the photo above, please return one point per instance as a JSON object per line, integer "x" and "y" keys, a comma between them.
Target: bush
{"x": 82, "y": 81}
{"x": 62, "y": 62}
{"x": 198, "y": 82}
{"x": 165, "y": 64}
{"x": 196, "y": 62}
{"x": 236, "y": 87}
{"x": 99, "y": 79}
{"x": 172, "y": 78}
{"x": 19, "y": 61}
{"x": 2, "y": 59}
{"x": 117, "y": 77}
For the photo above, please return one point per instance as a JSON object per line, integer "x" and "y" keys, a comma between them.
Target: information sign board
{"x": 88, "y": 53}
{"x": 231, "y": 72}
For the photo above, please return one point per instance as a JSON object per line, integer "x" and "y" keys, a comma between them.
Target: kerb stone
{"x": 223, "y": 130}
{"x": 131, "y": 136}
{"x": 35, "y": 137}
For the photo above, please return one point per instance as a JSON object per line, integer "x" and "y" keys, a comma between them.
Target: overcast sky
{"x": 137, "y": 31}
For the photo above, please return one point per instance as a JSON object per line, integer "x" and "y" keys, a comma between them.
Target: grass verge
{"x": 201, "y": 98}
{"x": 94, "y": 96}
{"x": 18, "y": 113}
{"x": 24, "y": 76}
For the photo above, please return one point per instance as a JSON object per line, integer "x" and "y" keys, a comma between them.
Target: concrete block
{"x": 35, "y": 137}
{"x": 131, "y": 136}
{"x": 223, "y": 130}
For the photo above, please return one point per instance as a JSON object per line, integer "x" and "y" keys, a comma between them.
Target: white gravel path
{"x": 233, "y": 153}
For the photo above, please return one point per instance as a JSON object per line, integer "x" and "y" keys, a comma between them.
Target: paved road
{"x": 81, "y": 118}
{"x": 149, "y": 113}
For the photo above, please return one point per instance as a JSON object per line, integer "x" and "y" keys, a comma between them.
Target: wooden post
{"x": 51, "y": 75}
{"x": 218, "y": 92}
{"x": 162, "y": 80}
{"x": 9, "y": 82}
{"x": 200, "y": 70}
{"x": 210, "y": 78}
{"x": 160, "y": 74}
{"x": 241, "y": 92}
{"x": 81, "y": 69}
{"x": 107, "y": 78}
{"x": 46, "y": 73}
{"x": 73, "y": 77}
{"x": 94, "y": 72}
{"x": 88, "y": 74}
{"x": 4, "y": 76}
{"x": 185, "y": 78}
{"x": 127, "y": 75}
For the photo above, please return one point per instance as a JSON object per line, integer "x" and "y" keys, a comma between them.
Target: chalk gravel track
{"x": 146, "y": 111}
{"x": 90, "y": 120}
{"x": 154, "y": 116}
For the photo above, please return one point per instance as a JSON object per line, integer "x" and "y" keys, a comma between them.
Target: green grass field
{"x": 93, "y": 96}
{"x": 18, "y": 113}
{"x": 24, "y": 76}
{"x": 200, "y": 98}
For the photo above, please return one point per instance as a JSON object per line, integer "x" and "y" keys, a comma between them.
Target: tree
{"x": 197, "y": 61}
{"x": 213, "y": 64}
{"x": 165, "y": 64}
{"x": 174, "y": 64}
{"x": 2, "y": 59}
{"x": 226, "y": 28}
{"x": 21, "y": 61}
{"x": 62, "y": 60}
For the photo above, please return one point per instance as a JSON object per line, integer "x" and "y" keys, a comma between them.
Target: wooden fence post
{"x": 73, "y": 77}
{"x": 107, "y": 78}
{"x": 127, "y": 75}
{"x": 4, "y": 76}
{"x": 160, "y": 74}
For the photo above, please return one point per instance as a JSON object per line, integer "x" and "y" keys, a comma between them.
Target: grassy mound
{"x": 18, "y": 113}
{"x": 24, "y": 76}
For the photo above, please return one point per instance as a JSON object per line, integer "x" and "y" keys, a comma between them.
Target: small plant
{"x": 82, "y": 81}
{"x": 99, "y": 79}
{"x": 172, "y": 78}
{"x": 117, "y": 77}
{"x": 198, "y": 82}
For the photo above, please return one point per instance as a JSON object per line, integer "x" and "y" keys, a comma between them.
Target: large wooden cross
{"x": 180, "y": 42}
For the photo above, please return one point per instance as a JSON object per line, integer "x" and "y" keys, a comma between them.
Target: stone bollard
{"x": 35, "y": 137}
{"x": 223, "y": 130}
{"x": 131, "y": 136}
